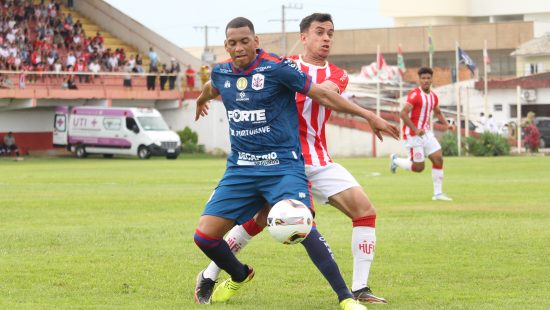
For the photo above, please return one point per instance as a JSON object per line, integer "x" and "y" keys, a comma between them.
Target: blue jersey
{"x": 261, "y": 110}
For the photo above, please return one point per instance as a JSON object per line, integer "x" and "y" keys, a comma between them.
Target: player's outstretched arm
{"x": 334, "y": 101}
{"x": 208, "y": 93}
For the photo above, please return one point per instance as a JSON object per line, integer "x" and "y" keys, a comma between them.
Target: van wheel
{"x": 143, "y": 152}
{"x": 107, "y": 155}
{"x": 80, "y": 151}
{"x": 171, "y": 156}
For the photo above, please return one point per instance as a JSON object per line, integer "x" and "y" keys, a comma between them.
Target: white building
{"x": 452, "y": 12}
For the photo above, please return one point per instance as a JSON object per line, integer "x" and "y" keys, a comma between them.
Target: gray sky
{"x": 175, "y": 19}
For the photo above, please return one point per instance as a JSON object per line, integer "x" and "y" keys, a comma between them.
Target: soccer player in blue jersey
{"x": 265, "y": 164}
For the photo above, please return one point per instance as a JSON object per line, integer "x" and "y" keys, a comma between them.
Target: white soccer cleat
{"x": 393, "y": 165}
{"x": 441, "y": 197}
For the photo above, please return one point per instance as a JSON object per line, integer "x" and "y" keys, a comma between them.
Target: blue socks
{"x": 321, "y": 255}
{"x": 218, "y": 251}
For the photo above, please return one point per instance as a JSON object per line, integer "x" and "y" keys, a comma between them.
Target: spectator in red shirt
{"x": 81, "y": 67}
{"x": 190, "y": 77}
{"x": 98, "y": 39}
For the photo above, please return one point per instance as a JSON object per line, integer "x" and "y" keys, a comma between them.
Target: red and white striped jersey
{"x": 423, "y": 105}
{"x": 312, "y": 116}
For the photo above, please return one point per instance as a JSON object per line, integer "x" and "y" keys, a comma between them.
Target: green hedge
{"x": 488, "y": 144}
{"x": 189, "y": 141}
{"x": 449, "y": 144}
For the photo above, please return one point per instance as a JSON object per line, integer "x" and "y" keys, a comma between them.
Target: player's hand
{"x": 380, "y": 125}
{"x": 202, "y": 109}
{"x": 419, "y": 132}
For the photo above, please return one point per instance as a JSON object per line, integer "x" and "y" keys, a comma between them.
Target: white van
{"x": 109, "y": 131}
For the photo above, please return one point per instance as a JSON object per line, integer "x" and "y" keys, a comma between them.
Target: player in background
{"x": 264, "y": 166}
{"x": 330, "y": 182}
{"x": 420, "y": 140}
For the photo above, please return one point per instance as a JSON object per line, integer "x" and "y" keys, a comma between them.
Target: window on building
{"x": 497, "y": 107}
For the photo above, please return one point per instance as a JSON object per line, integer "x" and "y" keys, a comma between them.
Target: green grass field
{"x": 118, "y": 234}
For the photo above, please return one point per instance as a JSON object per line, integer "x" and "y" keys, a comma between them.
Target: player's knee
{"x": 417, "y": 167}
{"x": 364, "y": 209}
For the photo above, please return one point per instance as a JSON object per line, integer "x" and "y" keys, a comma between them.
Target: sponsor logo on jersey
{"x": 227, "y": 84}
{"x": 242, "y": 97}
{"x": 258, "y": 80}
{"x": 250, "y": 132}
{"x": 261, "y": 69}
{"x": 247, "y": 159}
{"x": 223, "y": 70}
{"x": 293, "y": 65}
{"x": 242, "y": 83}
{"x": 253, "y": 116}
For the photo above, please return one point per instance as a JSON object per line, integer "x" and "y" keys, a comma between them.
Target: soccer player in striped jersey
{"x": 420, "y": 140}
{"x": 265, "y": 166}
{"x": 330, "y": 182}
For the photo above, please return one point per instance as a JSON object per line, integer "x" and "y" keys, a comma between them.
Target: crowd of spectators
{"x": 39, "y": 37}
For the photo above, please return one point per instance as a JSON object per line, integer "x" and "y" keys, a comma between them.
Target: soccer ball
{"x": 289, "y": 221}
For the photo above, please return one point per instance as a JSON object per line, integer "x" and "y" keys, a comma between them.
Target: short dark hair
{"x": 239, "y": 22}
{"x": 424, "y": 70}
{"x": 315, "y": 17}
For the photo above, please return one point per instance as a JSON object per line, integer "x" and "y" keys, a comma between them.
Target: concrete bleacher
{"x": 90, "y": 28}
{"x": 110, "y": 40}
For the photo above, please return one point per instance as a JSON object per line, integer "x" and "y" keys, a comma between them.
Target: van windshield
{"x": 152, "y": 123}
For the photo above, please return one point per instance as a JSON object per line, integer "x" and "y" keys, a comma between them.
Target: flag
{"x": 467, "y": 61}
{"x": 381, "y": 62}
{"x": 431, "y": 47}
{"x": 400, "y": 60}
{"x": 486, "y": 60}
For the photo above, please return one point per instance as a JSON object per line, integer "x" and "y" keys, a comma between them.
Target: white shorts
{"x": 329, "y": 180}
{"x": 420, "y": 147}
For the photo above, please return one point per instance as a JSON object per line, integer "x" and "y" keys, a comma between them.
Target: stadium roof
{"x": 536, "y": 47}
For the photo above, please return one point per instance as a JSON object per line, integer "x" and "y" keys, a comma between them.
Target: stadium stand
{"x": 46, "y": 42}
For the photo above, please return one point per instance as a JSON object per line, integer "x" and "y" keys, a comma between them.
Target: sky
{"x": 176, "y": 19}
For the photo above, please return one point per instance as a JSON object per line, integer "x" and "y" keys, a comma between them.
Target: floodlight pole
{"x": 457, "y": 91}
{"x": 518, "y": 111}
{"x": 205, "y": 28}
{"x": 283, "y": 21}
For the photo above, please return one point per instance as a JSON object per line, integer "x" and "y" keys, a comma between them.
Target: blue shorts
{"x": 239, "y": 197}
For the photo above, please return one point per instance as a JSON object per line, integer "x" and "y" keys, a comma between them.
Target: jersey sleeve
{"x": 412, "y": 98}
{"x": 340, "y": 78}
{"x": 292, "y": 77}
{"x": 214, "y": 77}
{"x": 436, "y": 100}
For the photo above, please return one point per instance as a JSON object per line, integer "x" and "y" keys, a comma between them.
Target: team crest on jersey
{"x": 344, "y": 76}
{"x": 227, "y": 84}
{"x": 258, "y": 80}
{"x": 242, "y": 83}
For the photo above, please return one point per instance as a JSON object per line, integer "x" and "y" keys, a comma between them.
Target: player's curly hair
{"x": 239, "y": 22}
{"x": 315, "y": 17}
{"x": 424, "y": 70}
